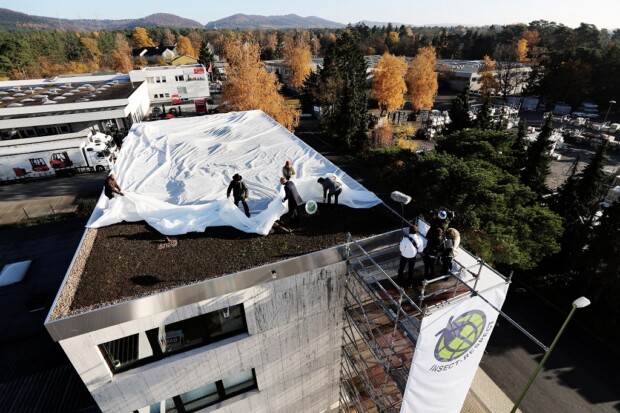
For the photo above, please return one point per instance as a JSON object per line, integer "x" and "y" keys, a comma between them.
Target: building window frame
{"x": 180, "y": 406}
{"x": 112, "y": 350}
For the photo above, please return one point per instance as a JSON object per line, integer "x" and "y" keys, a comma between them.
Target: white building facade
{"x": 165, "y": 83}
{"x": 269, "y": 347}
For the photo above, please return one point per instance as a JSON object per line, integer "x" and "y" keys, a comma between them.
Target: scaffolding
{"x": 382, "y": 321}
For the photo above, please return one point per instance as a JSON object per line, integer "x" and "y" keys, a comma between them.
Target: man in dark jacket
{"x": 330, "y": 187}
{"x": 294, "y": 200}
{"x": 240, "y": 192}
{"x": 434, "y": 238}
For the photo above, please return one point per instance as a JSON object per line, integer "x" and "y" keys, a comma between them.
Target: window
{"x": 179, "y": 78}
{"x": 167, "y": 95}
{"x": 155, "y": 96}
{"x": 150, "y": 80}
{"x": 182, "y": 89}
{"x": 208, "y": 395}
{"x": 144, "y": 347}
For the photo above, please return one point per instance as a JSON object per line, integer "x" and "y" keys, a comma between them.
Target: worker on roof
{"x": 240, "y": 192}
{"x": 288, "y": 171}
{"x": 294, "y": 200}
{"x": 330, "y": 187}
{"x": 111, "y": 187}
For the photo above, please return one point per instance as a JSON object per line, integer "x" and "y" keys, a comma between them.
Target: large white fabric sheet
{"x": 174, "y": 174}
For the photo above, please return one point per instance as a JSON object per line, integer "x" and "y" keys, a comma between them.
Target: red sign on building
{"x": 199, "y": 70}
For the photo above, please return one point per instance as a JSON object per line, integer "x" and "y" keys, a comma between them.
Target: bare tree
{"x": 511, "y": 75}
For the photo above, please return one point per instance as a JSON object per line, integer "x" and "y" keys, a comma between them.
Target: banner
{"x": 449, "y": 348}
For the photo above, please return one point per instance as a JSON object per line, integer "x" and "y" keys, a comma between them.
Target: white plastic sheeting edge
{"x": 174, "y": 174}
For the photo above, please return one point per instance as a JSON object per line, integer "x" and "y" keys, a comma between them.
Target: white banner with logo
{"x": 449, "y": 349}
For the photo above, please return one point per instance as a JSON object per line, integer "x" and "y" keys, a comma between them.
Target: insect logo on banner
{"x": 460, "y": 335}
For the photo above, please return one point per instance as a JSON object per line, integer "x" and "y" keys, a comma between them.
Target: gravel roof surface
{"x": 127, "y": 260}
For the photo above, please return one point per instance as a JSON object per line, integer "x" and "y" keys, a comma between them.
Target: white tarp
{"x": 174, "y": 174}
{"x": 448, "y": 351}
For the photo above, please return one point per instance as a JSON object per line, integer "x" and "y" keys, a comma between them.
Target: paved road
{"x": 581, "y": 374}
{"x": 82, "y": 185}
{"x": 36, "y": 199}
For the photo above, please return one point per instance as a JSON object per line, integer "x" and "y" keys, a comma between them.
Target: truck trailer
{"x": 58, "y": 155}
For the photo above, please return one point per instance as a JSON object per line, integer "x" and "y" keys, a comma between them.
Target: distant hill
{"x": 12, "y": 20}
{"x": 289, "y": 21}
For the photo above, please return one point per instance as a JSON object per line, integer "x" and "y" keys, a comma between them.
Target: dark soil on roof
{"x": 127, "y": 260}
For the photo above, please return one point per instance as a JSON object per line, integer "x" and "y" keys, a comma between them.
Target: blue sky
{"x": 602, "y": 13}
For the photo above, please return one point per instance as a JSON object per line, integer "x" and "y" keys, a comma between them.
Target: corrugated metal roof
{"x": 62, "y": 119}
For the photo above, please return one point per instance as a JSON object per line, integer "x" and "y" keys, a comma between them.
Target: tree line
{"x": 586, "y": 58}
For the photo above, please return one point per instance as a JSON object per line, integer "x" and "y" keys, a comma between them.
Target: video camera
{"x": 442, "y": 214}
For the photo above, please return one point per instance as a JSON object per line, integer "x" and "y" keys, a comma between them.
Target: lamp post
{"x": 611, "y": 103}
{"x": 581, "y": 302}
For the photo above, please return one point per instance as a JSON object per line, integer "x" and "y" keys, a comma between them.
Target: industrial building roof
{"x": 64, "y": 89}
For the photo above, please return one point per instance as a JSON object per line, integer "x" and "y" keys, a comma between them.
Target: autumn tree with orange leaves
{"x": 388, "y": 82}
{"x": 121, "y": 60}
{"x": 521, "y": 50}
{"x": 184, "y": 46}
{"x": 488, "y": 83}
{"x": 249, "y": 86}
{"x": 140, "y": 38}
{"x": 422, "y": 79}
{"x": 297, "y": 60}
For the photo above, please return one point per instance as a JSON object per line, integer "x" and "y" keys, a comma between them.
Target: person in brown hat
{"x": 240, "y": 192}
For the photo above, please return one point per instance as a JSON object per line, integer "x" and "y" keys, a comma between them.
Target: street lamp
{"x": 581, "y": 302}
{"x": 611, "y": 103}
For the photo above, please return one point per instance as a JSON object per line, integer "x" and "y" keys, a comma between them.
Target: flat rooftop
{"x": 40, "y": 92}
{"x": 126, "y": 261}
{"x": 174, "y": 175}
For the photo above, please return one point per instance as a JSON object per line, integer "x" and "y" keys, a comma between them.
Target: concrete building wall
{"x": 293, "y": 342}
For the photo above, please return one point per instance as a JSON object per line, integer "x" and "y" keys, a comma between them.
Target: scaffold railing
{"x": 382, "y": 322}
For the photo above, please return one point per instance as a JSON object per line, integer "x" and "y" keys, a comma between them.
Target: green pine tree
{"x": 343, "y": 85}
{"x": 207, "y": 58}
{"x": 459, "y": 112}
{"x": 518, "y": 150}
{"x": 600, "y": 268}
{"x": 483, "y": 118}
{"x": 538, "y": 160}
{"x": 591, "y": 184}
